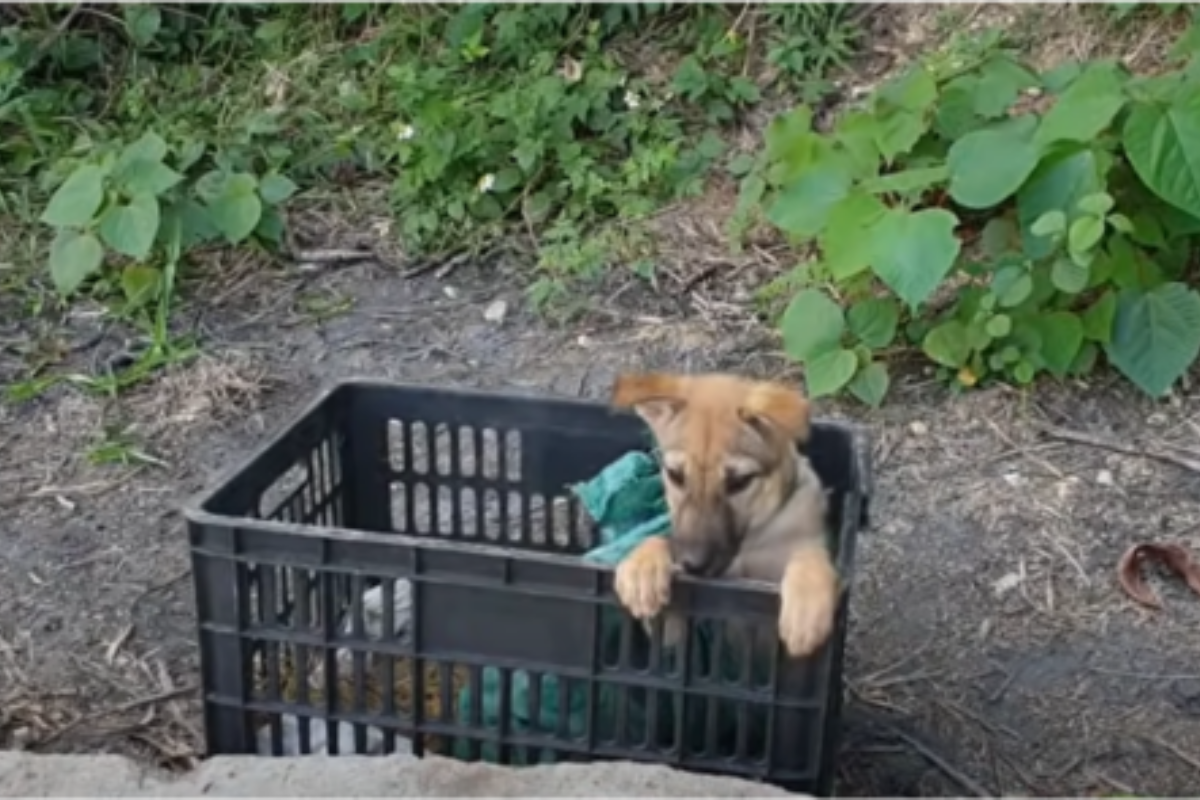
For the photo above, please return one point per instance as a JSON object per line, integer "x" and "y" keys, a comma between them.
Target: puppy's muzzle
{"x": 707, "y": 547}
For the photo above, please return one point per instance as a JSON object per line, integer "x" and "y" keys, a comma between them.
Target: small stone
{"x": 1007, "y": 583}
{"x": 1157, "y": 420}
{"x": 584, "y": 341}
{"x": 496, "y": 311}
{"x": 918, "y": 428}
{"x": 21, "y": 737}
{"x": 450, "y": 292}
{"x": 1014, "y": 479}
{"x": 1105, "y": 478}
{"x": 1066, "y": 487}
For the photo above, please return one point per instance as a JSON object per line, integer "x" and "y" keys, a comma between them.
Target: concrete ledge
{"x": 28, "y": 775}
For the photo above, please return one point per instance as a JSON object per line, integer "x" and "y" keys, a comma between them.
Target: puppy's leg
{"x": 808, "y": 600}
{"x": 643, "y": 579}
{"x": 643, "y": 584}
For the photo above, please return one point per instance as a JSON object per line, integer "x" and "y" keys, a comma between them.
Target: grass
{"x": 565, "y": 125}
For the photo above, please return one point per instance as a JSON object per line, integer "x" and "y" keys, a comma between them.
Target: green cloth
{"x": 627, "y": 502}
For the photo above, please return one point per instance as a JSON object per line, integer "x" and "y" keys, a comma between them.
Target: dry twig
{"x": 1091, "y": 440}
{"x": 952, "y": 772}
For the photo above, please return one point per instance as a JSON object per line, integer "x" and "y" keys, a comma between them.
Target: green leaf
{"x": 275, "y": 188}
{"x": 785, "y": 130}
{"x": 1062, "y": 336}
{"x": 1058, "y": 183}
{"x": 1068, "y": 277}
{"x": 812, "y": 324}
{"x": 870, "y": 384}
{"x": 1097, "y": 204}
{"x": 74, "y": 257}
{"x": 913, "y": 252}
{"x": 897, "y": 131}
{"x": 793, "y": 147}
{"x": 988, "y": 166}
{"x": 142, "y": 21}
{"x": 1049, "y": 224}
{"x": 1085, "y": 362}
{"x": 846, "y": 240}
{"x": 1128, "y": 267}
{"x": 947, "y": 344}
{"x": 77, "y": 200}
{"x": 1121, "y": 224}
{"x": 873, "y": 321}
{"x": 507, "y": 179}
{"x": 1098, "y": 319}
{"x": 1085, "y": 109}
{"x": 1012, "y": 286}
{"x": 909, "y": 180}
{"x": 1000, "y": 82}
{"x": 999, "y": 236}
{"x": 195, "y": 226}
{"x": 914, "y": 90}
{"x": 236, "y": 209}
{"x": 1059, "y": 78}
{"x": 130, "y": 229}
{"x": 188, "y": 153}
{"x": 145, "y": 176}
{"x": 1163, "y": 146}
{"x": 1084, "y": 234}
{"x": 999, "y": 326}
{"x": 148, "y": 147}
{"x": 1023, "y": 373}
{"x": 802, "y": 208}
{"x": 829, "y": 372}
{"x": 141, "y": 284}
{"x": 955, "y": 116}
{"x": 1147, "y": 230}
{"x": 1156, "y": 335}
{"x": 856, "y": 132}
{"x": 270, "y": 226}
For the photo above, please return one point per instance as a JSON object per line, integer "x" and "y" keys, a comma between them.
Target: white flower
{"x": 486, "y": 183}
{"x": 571, "y": 70}
{"x": 631, "y": 100}
{"x": 405, "y": 132}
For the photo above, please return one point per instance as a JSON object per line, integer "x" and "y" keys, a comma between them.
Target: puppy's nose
{"x": 694, "y": 559}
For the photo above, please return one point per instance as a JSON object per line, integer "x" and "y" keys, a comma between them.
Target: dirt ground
{"x": 991, "y": 649}
{"x": 988, "y": 628}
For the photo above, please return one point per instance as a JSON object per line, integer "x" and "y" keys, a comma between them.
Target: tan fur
{"x": 716, "y": 431}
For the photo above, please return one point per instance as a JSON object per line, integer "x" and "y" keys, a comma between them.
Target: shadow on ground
{"x": 991, "y": 649}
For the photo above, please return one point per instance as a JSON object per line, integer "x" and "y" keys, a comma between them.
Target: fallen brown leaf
{"x": 1172, "y": 557}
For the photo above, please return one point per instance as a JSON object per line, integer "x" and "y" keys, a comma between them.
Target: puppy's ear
{"x": 655, "y": 397}
{"x": 785, "y": 408}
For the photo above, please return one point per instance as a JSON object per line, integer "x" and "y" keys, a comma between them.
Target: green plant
{"x": 1010, "y": 223}
{"x": 134, "y": 142}
{"x": 135, "y": 210}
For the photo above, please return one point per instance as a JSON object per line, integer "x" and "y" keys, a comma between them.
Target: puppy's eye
{"x": 738, "y": 482}
{"x": 675, "y": 476}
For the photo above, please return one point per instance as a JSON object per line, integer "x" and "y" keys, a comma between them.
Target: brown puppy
{"x": 744, "y": 503}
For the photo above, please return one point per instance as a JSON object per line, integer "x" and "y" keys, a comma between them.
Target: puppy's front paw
{"x": 643, "y": 579}
{"x": 808, "y": 603}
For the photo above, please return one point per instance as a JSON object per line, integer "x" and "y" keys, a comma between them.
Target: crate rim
{"x": 195, "y": 513}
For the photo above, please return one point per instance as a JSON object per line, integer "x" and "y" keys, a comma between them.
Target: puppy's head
{"x": 728, "y": 455}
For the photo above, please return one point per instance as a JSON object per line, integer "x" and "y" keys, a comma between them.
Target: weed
{"x": 1011, "y": 223}
{"x": 119, "y": 446}
{"x": 133, "y": 138}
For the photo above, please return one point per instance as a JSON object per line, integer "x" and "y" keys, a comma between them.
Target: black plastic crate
{"x": 463, "y": 498}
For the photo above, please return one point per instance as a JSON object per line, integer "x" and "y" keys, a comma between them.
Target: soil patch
{"x": 991, "y": 646}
